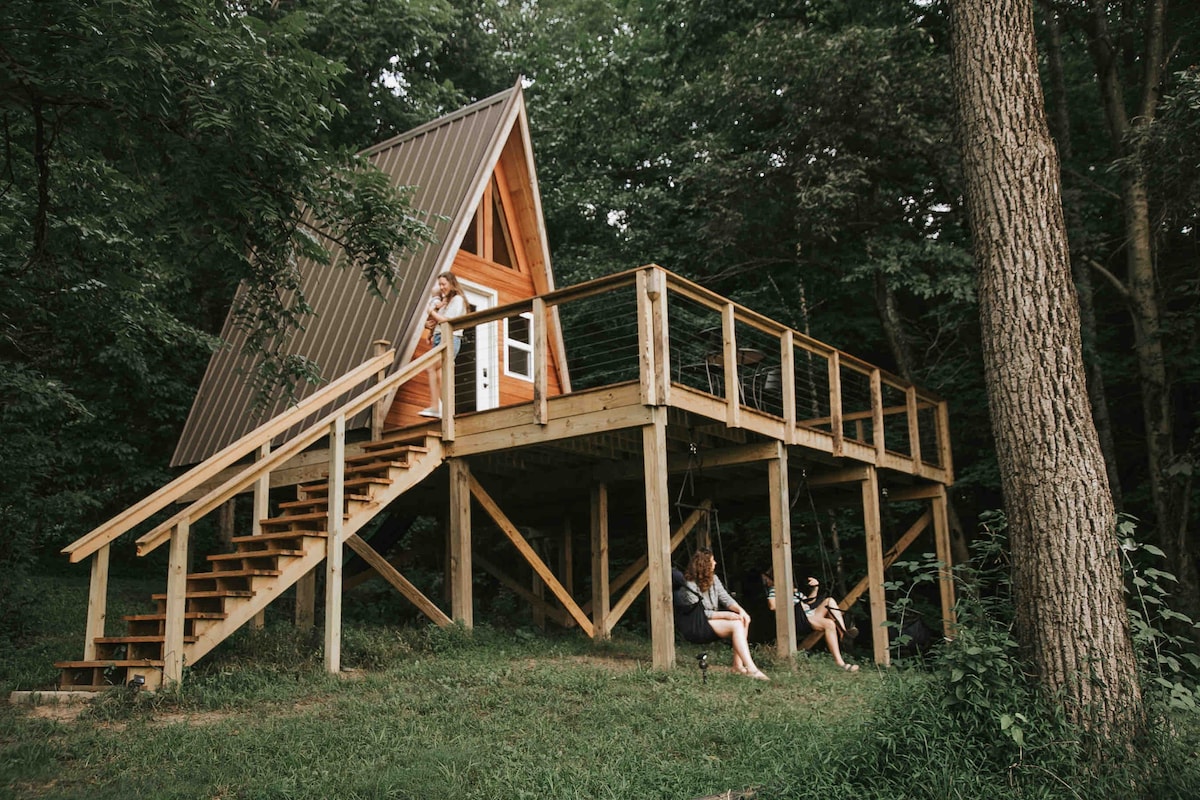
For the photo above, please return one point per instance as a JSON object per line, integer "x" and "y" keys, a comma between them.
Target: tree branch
{"x": 1112, "y": 279}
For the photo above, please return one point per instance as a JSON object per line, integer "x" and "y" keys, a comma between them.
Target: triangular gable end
{"x": 450, "y": 162}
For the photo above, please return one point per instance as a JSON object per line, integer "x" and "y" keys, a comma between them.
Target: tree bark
{"x": 1060, "y": 127}
{"x": 1071, "y": 618}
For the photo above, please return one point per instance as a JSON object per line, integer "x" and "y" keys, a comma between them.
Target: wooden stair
{"x": 240, "y": 584}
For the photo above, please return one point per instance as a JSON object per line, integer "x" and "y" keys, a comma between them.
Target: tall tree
{"x": 1071, "y": 616}
{"x": 155, "y": 154}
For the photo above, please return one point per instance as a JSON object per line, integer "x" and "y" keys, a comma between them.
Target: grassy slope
{"x": 439, "y": 714}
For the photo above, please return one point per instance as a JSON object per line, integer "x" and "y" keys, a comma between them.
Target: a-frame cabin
{"x": 582, "y": 403}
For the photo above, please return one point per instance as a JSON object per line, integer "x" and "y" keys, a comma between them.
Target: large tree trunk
{"x": 1071, "y": 618}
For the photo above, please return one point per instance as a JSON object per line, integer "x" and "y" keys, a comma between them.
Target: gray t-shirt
{"x": 715, "y": 599}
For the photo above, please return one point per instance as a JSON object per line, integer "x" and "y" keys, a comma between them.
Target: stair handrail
{"x": 120, "y": 524}
{"x": 160, "y": 534}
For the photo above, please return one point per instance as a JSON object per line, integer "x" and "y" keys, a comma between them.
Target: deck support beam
{"x": 873, "y": 526}
{"x": 781, "y": 550}
{"x": 658, "y": 540}
{"x": 601, "y": 599}
{"x": 941, "y": 537}
{"x": 176, "y": 604}
{"x": 459, "y": 566}
{"x": 333, "y": 545}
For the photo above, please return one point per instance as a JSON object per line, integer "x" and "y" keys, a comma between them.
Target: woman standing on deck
{"x": 446, "y": 303}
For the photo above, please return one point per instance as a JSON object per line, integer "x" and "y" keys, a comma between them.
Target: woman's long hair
{"x": 700, "y": 569}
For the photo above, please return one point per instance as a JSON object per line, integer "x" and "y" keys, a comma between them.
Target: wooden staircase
{"x": 240, "y": 584}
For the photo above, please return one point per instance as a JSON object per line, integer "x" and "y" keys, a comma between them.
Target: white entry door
{"x": 484, "y": 358}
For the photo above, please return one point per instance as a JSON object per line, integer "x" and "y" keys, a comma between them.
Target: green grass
{"x": 426, "y": 713}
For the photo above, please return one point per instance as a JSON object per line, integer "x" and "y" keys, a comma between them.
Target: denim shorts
{"x": 437, "y": 339}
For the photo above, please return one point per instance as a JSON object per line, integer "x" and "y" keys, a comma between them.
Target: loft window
{"x": 501, "y": 238}
{"x": 518, "y": 346}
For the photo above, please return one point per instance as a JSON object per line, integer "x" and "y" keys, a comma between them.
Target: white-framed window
{"x": 518, "y": 346}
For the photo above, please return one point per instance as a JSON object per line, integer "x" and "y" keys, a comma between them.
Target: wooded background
{"x": 798, "y": 157}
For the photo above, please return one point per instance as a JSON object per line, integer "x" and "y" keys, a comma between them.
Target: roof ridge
{"x": 479, "y": 105}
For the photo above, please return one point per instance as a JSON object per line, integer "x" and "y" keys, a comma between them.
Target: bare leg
{"x": 735, "y": 631}
{"x": 435, "y": 387}
{"x": 829, "y": 628}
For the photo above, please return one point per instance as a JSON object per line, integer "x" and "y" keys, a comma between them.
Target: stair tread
{"x": 373, "y": 480}
{"x": 110, "y": 662}
{"x": 278, "y": 551}
{"x": 415, "y": 441}
{"x": 136, "y": 639}
{"x": 267, "y": 537}
{"x": 385, "y": 454}
{"x": 313, "y": 517}
{"x": 233, "y": 573}
{"x": 322, "y": 500}
{"x": 209, "y": 593}
{"x": 162, "y": 617}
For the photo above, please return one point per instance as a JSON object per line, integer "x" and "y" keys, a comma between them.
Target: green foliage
{"x": 1160, "y": 633}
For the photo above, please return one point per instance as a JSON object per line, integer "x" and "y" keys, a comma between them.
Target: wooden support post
{"x": 380, "y": 408}
{"x": 541, "y": 412}
{"x": 914, "y": 427}
{"x": 447, "y": 398}
{"x": 97, "y": 609}
{"x": 260, "y": 510}
{"x": 459, "y": 566}
{"x": 566, "y": 557}
{"x": 877, "y": 431}
{"x": 781, "y": 551}
{"x": 333, "y": 544}
{"x": 941, "y": 536}
{"x": 729, "y": 353}
{"x": 647, "y": 366}
{"x": 787, "y": 376}
{"x": 658, "y": 540}
{"x": 872, "y": 524}
{"x": 600, "y": 591}
{"x": 176, "y": 604}
{"x": 835, "y": 403}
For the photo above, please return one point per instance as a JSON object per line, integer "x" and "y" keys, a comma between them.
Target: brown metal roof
{"x": 449, "y": 162}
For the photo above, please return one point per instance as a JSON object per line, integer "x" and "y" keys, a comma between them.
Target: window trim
{"x": 511, "y": 344}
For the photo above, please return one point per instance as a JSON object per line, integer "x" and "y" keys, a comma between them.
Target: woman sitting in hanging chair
{"x": 816, "y": 612}
{"x": 704, "y": 612}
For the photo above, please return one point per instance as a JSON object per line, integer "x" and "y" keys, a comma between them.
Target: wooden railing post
{"x": 835, "y": 403}
{"x": 877, "y": 415}
{"x": 176, "y": 604}
{"x": 540, "y": 381}
{"x": 447, "y": 399}
{"x": 260, "y": 509}
{"x": 787, "y": 374}
{"x": 333, "y": 544}
{"x": 660, "y": 335}
{"x": 647, "y": 366}
{"x": 914, "y": 427}
{"x": 729, "y": 350}
{"x": 380, "y": 409}
{"x": 97, "y": 609}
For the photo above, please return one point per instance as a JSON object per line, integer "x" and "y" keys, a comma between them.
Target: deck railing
{"x": 686, "y": 345}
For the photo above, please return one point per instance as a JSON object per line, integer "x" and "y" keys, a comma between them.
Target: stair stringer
{"x": 423, "y": 465}
{"x": 266, "y": 592}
